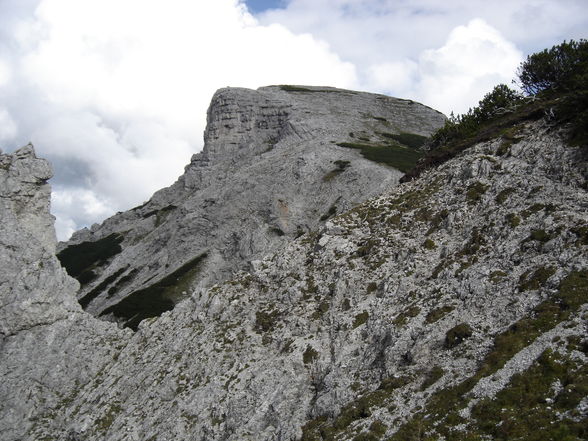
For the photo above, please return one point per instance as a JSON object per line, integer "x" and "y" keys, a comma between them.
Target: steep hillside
{"x": 277, "y": 163}
{"x": 450, "y": 307}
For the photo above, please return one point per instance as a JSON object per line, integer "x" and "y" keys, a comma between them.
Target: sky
{"x": 114, "y": 92}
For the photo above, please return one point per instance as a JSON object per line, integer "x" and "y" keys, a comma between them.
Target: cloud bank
{"x": 115, "y": 93}
{"x": 116, "y": 98}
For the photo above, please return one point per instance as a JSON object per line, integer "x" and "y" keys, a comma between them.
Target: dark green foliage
{"x": 529, "y": 408}
{"x": 540, "y": 236}
{"x": 432, "y": 377}
{"x": 494, "y": 104}
{"x": 513, "y": 220}
{"x": 438, "y": 314}
{"x": 453, "y": 140}
{"x": 475, "y": 192}
{"x": 411, "y": 140}
{"x": 360, "y": 319}
{"x": 85, "y": 301}
{"x": 79, "y": 260}
{"x": 309, "y": 355}
{"x": 457, "y": 334}
{"x": 288, "y": 88}
{"x": 157, "y": 298}
{"x": 561, "y": 68}
{"x": 265, "y": 320}
{"x": 503, "y": 195}
{"x": 372, "y": 286}
{"x": 429, "y": 244}
{"x": 562, "y": 71}
{"x": 582, "y": 233}
{"x": 402, "y": 318}
{"x": 536, "y": 279}
{"x": 341, "y": 167}
{"x": 399, "y": 157}
{"x": 558, "y": 77}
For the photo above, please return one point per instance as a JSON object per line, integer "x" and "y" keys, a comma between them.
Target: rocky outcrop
{"x": 426, "y": 310}
{"x": 48, "y": 346}
{"x": 271, "y": 170}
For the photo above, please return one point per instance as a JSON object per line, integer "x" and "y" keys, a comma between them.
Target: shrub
{"x": 457, "y": 334}
{"x": 561, "y": 68}
{"x": 496, "y": 103}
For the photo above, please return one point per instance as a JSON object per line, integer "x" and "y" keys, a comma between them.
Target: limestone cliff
{"x": 271, "y": 170}
{"x": 450, "y": 307}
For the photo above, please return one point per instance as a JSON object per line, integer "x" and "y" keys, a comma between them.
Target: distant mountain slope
{"x": 270, "y": 171}
{"x": 451, "y": 307}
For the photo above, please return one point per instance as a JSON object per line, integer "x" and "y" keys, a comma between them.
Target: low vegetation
{"x": 158, "y": 297}
{"x": 394, "y": 155}
{"x": 80, "y": 260}
{"x": 554, "y": 82}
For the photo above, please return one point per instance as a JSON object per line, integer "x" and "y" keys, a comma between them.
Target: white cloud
{"x": 116, "y": 99}
{"x": 420, "y": 49}
{"x": 115, "y": 93}
{"x": 475, "y": 58}
{"x": 7, "y": 126}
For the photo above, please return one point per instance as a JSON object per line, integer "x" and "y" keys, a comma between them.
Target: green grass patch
{"x": 399, "y": 157}
{"x": 432, "y": 377}
{"x": 309, "y": 355}
{"x": 503, "y": 195}
{"x": 80, "y": 260}
{"x": 360, "y": 319}
{"x": 457, "y": 335}
{"x": 475, "y": 192}
{"x": 532, "y": 280}
{"x": 157, "y": 298}
{"x": 530, "y": 409}
{"x": 442, "y": 409}
{"x": 87, "y": 299}
{"x": 265, "y": 321}
{"x": 411, "y": 140}
{"x": 438, "y": 313}
{"x": 341, "y": 167}
{"x": 289, "y": 88}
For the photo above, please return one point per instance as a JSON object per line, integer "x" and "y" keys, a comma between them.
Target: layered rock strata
{"x": 451, "y": 307}
{"x": 271, "y": 170}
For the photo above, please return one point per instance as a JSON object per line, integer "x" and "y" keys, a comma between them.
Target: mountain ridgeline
{"x": 288, "y": 287}
{"x": 276, "y": 164}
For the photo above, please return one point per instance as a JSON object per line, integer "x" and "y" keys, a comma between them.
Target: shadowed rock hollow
{"x": 270, "y": 171}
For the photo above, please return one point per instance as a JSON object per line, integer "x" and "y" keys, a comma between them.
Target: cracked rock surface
{"x": 453, "y": 306}
{"x": 270, "y": 171}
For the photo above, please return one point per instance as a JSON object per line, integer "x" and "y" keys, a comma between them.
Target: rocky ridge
{"x": 451, "y": 307}
{"x": 270, "y": 170}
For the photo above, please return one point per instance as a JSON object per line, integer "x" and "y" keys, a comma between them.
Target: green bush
{"x": 562, "y": 68}
{"x": 496, "y": 103}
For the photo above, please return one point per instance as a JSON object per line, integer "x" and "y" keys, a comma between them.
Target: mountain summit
{"x": 286, "y": 287}
{"x": 277, "y": 163}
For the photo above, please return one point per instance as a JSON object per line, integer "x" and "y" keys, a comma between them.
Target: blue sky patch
{"x": 257, "y": 6}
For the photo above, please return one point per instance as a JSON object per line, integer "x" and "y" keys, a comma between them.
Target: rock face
{"x": 270, "y": 171}
{"x": 48, "y": 346}
{"x": 451, "y": 307}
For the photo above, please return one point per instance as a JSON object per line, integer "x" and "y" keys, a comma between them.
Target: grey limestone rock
{"x": 400, "y": 316}
{"x": 270, "y": 171}
{"x": 48, "y": 345}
